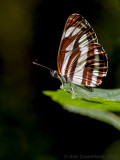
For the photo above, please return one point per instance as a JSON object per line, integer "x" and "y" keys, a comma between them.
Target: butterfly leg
{"x": 62, "y": 85}
{"x": 89, "y": 89}
{"x": 72, "y": 87}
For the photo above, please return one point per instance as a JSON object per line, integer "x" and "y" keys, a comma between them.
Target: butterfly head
{"x": 54, "y": 73}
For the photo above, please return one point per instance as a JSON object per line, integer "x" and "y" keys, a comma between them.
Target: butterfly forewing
{"x": 81, "y": 60}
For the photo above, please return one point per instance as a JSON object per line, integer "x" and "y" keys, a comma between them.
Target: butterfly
{"x": 81, "y": 59}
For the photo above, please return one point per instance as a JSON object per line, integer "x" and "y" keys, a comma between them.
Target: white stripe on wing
{"x": 69, "y": 31}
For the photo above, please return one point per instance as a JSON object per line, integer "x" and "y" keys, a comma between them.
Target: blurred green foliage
{"x": 113, "y": 151}
{"x": 20, "y": 137}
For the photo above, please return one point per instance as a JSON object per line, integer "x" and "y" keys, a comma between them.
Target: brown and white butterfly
{"x": 81, "y": 59}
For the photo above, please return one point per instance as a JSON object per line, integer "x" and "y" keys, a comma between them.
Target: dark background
{"x": 31, "y": 125}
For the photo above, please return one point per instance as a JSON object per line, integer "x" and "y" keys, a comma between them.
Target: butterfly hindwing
{"x": 91, "y": 67}
{"x": 81, "y": 60}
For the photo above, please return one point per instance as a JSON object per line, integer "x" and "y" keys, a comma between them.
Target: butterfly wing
{"x": 81, "y": 59}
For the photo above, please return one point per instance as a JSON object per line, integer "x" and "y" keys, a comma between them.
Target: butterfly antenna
{"x": 42, "y": 66}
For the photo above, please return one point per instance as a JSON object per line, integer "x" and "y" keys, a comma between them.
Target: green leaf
{"x": 98, "y": 95}
{"x": 98, "y": 104}
{"x": 65, "y": 98}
